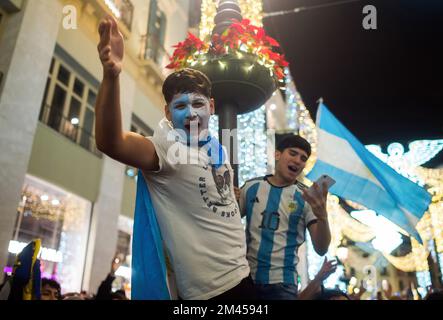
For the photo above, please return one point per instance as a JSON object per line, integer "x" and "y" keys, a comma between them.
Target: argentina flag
{"x": 361, "y": 177}
{"x": 149, "y": 275}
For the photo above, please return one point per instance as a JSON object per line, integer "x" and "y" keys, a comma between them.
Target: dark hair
{"x": 436, "y": 295}
{"x": 328, "y": 294}
{"x": 118, "y": 295}
{"x": 52, "y": 283}
{"x": 186, "y": 81}
{"x": 295, "y": 141}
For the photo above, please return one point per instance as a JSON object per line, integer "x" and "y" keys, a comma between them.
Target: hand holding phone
{"x": 320, "y": 181}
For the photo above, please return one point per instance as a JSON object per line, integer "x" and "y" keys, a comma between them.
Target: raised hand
{"x": 327, "y": 268}
{"x": 361, "y": 292}
{"x": 116, "y": 263}
{"x": 111, "y": 47}
{"x": 317, "y": 199}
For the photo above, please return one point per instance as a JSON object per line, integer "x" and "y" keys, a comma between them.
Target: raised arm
{"x": 319, "y": 231}
{"x": 127, "y": 147}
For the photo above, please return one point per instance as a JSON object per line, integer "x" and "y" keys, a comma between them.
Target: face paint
{"x": 190, "y": 114}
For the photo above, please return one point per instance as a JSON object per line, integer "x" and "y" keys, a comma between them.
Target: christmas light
{"x": 252, "y": 143}
{"x": 250, "y": 9}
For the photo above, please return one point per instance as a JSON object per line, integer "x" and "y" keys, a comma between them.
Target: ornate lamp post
{"x": 239, "y": 83}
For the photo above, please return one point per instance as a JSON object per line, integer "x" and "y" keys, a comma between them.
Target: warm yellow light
{"x": 250, "y": 9}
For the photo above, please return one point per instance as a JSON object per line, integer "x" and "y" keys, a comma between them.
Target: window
{"x": 139, "y": 127}
{"x": 61, "y": 221}
{"x": 156, "y": 33}
{"x": 68, "y": 105}
{"x": 123, "y": 9}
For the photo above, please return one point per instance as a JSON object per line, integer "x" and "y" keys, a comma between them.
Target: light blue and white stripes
{"x": 362, "y": 177}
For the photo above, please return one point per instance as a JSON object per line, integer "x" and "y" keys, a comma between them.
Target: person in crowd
{"x": 51, "y": 290}
{"x": 279, "y": 209}
{"x": 105, "y": 289}
{"x": 5, "y": 287}
{"x": 435, "y": 295}
{"x": 315, "y": 286}
{"x": 25, "y": 282}
{"x": 199, "y": 221}
{"x": 331, "y": 294}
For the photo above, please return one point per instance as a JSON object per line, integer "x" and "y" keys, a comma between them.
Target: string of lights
{"x": 306, "y": 8}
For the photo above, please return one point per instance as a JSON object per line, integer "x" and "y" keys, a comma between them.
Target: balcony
{"x": 69, "y": 128}
{"x": 153, "y": 57}
{"x": 122, "y": 10}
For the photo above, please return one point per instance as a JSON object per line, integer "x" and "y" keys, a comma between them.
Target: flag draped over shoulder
{"x": 149, "y": 278}
{"x": 362, "y": 177}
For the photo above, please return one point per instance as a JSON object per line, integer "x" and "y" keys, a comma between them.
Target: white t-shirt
{"x": 199, "y": 220}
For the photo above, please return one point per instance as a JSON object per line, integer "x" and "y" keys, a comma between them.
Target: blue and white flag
{"x": 149, "y": 275}
{"x": 361, "y": 177}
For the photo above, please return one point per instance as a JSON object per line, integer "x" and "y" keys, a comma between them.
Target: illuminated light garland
{"x": 252, "y": 143}
{"x": 208, "y": 12}
{"x": 299, "y": 119}
{"x": 420, "y": 152}
{"x": 251, "y": 10}
{"x": 424, "y": 281}
{"x": 440, "y": 262}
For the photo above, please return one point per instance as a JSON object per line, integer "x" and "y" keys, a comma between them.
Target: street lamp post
{"x": 239, "y": 84}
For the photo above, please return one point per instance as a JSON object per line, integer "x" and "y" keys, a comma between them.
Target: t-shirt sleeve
{"x": 310, "y": 217}
{"x": 166, "y": 152}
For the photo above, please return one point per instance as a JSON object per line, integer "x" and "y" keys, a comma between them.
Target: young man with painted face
{"x": 278, "y": 211}
{"x": 199, "y": 222}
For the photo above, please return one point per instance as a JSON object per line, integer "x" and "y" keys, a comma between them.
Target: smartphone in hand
{"x": 323, "y": 179}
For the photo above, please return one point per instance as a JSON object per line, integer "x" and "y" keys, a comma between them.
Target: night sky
{"x": 384, "y": 85}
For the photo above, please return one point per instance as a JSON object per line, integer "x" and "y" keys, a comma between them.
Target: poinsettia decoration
{"x": 241, "y": 37}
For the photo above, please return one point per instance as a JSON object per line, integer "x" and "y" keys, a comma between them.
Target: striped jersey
{"x": 276, "y": 223}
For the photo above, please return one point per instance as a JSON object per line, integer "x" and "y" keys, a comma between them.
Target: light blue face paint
{"x": 189, "y": 110}
{"x": 180, "y": 109}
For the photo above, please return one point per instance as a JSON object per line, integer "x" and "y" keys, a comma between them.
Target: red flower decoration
{"x": 240, "y": 36}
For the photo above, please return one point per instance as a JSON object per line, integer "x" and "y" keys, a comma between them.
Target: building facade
{"x": 55, "y": 185}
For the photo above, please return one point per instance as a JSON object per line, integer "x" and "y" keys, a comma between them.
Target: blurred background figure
{"x": 25, "y": 282}
{"x": 315, "y": 287}
{"x": 331, "y": 294}
{"x": 5, "y": 287}
{"x": 105, "y": 290}
{"x": 50, "y": 290}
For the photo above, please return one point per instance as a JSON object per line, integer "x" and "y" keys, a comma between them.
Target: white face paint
{"x": 190, "y": 113}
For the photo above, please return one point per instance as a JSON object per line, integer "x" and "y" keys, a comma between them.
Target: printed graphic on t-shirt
{"x": 223, "y": 204}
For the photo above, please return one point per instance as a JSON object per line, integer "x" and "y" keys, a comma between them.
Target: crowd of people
{"x": 14, "y": 287}
{"x": 315, "y": 290}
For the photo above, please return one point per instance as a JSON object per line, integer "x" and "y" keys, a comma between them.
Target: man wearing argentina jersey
{"x": 278, "y": 211}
